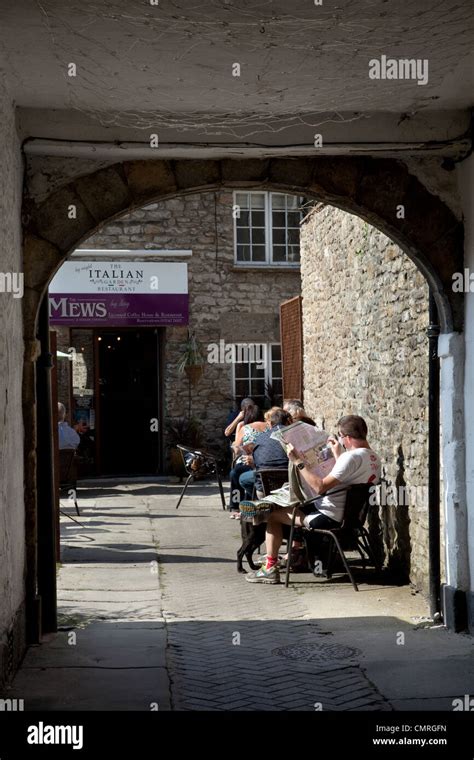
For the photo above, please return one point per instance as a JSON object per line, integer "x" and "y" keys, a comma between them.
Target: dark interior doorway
{"x": 127, "y": 363}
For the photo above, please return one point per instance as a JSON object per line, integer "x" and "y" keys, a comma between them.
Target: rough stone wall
{"x": 365, "y": 312}
{"x": 226, "y": 302}
{"x": 12, "y": 511}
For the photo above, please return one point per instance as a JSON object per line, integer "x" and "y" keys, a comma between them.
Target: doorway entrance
{"x": 128, "y": 401}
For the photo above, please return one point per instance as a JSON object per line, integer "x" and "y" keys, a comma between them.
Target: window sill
{"x": 266, "y": 267}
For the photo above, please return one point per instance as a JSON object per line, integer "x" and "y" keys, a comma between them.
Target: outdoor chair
{"x": 68, "y": 474}
{"x": 199, "y": 463}
{"x": 272, "y": 478}
{"x": 350, "y": 533}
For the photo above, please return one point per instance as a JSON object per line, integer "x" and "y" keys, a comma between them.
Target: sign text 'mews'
{"x": 113, "y": 293}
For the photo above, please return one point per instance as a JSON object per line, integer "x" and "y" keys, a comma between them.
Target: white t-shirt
{"x": 352, "y": 467}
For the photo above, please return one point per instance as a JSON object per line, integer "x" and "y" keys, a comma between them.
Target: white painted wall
{"x": 12, "y": 515}
{"x": 466, "y": 188}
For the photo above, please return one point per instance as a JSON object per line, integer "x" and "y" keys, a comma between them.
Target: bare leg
{"x": 274, "y": 534}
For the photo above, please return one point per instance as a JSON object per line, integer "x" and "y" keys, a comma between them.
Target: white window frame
{"x": 267, "y": 209}
{"x": 268, "y": 377}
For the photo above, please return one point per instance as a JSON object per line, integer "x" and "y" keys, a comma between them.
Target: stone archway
{"x": 371, "y": 188}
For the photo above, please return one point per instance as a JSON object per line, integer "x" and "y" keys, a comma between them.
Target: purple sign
{"x": 118, "y": 309}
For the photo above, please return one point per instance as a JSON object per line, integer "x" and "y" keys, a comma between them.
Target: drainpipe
{"x": 434, "y": 462}
{"x": 46, "y": 513}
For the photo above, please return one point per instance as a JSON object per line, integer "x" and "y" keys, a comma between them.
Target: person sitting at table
{"x": 355, "y": 463}
{"x": 295, "y": 407}
{"x": 234, "y": 417}
{"x": 248, "y": 430}
{"x": 67, "y": 436}
{"x": 267, "y": 452}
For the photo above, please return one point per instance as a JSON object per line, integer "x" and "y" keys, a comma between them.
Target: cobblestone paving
{"x": 233, "y": 645}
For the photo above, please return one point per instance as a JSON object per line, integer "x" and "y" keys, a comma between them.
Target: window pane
{"x": 258, "y": 236}
{"x": 294, "y": 219}
{"x": 257, "y": 373}
{"x": 243, "y": 235}
{"x": 279, "y": 237}
{"x": 293, "y": 201}
{"x": 277, "y": 387}
{"x": 278, "y": 201}
{"x": 258, "y": 253}
{"x": 258, "y": 219}
{"x": 243, "y": 253}
{"x": 293, "y": 253}
{"x": 242, "y": 200}
{"x": 241, "y": 388}
{"x": 257, "y": 200}
{"x": 243, "y": 219}
{"x": 276, "y": 369}
{"x": 257, "y": 388}
{"x": 279, "y": 219}
{"x": 241, "y": 370}
{"x": 276, "y": 351}
{"x": 279, "y": 253}
{"x": 294, "y": 237}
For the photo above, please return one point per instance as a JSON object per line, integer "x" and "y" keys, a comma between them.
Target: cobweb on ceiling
{"x": 194, "y": 24}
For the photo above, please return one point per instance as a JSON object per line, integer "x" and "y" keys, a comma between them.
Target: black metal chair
{"x": 272, "y": 478}
{"x": 351, "y": 531}
{"x": 68, "y": 474}
{"x": 199, "y": 463}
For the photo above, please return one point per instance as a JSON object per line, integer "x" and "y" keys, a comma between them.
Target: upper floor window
{"x": 267, "y": 228}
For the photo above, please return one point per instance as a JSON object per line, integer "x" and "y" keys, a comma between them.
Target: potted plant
{"x": 186, "y": 431}
{"x": 191, "y": 361}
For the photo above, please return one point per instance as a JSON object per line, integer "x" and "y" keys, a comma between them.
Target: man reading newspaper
{"x": 352, "y": 462}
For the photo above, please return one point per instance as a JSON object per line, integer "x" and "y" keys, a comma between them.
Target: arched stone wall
{"x": 374, "y": 189}
{"x": 371, "y": 188}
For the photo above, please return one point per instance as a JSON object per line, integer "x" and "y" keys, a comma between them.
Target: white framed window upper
{"x": 267, "y": 229}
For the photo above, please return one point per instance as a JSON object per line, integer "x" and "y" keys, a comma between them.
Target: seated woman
{"x": 267, "y": 452}
{"x": 247, "y": 433}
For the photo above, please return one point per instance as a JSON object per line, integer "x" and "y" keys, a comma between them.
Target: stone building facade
{"x": 365, "y": 314}
{"x": 228, "y": 302}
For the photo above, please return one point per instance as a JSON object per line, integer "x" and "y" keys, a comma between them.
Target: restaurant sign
{"x": 119, "y": 293}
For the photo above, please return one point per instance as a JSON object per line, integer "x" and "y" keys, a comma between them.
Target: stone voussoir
{"x": 149, "y": 179}
{"x": 104, "y": 193}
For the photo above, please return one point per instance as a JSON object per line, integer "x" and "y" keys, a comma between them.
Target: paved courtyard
{"x": 154, "y": 616}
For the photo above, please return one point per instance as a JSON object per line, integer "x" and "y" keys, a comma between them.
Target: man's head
{"x": 61, "y": 412}
{"x": 246, "y": 402}
{"x": 295, "y": 407}
{"x": 278, "y": 416}
{"x": 352, "y": 431}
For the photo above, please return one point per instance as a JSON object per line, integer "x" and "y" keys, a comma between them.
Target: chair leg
{"x": 190, "y": 477}
{"x": 290, "y": 544}
{"x": 65, "y": 514}
{"x": 77, "y": 508}
{"x": 219, "y": 480}
{"x": 365, "y": 539}
{"x": 348, "y": 570}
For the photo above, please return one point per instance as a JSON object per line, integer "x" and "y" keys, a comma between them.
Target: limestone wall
{"x": 12, "y": 511}
{"x": 365, "y": 312}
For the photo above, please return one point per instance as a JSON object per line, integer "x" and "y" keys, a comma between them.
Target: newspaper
{"x": 311, "y": 444}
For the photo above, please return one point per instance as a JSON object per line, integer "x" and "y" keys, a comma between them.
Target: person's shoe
{"x": 264, "y": 576}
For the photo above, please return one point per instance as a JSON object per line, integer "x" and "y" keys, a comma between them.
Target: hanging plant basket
{"x": 194, "y": 372}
